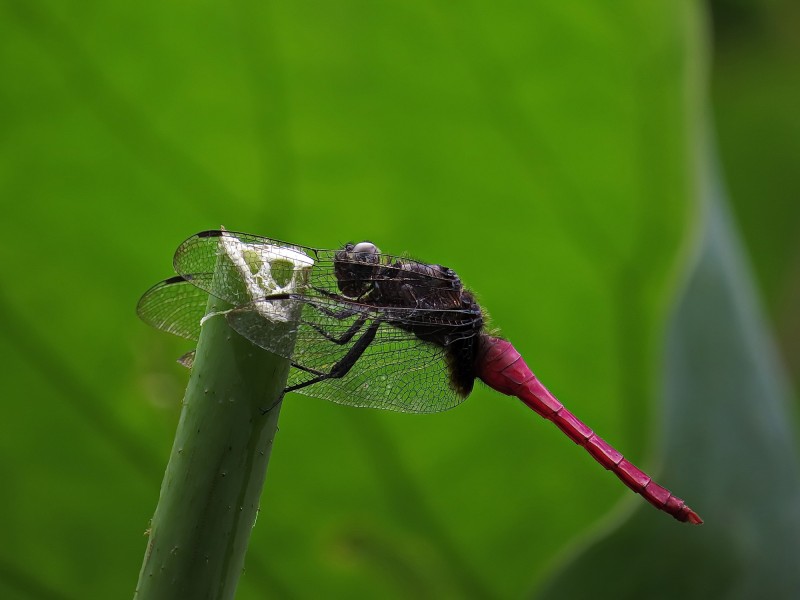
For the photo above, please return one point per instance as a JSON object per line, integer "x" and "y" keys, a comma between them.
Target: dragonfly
{"x": 367, "y": 329}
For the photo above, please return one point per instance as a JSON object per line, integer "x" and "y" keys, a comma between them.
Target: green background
{"x": 560, "y": 156}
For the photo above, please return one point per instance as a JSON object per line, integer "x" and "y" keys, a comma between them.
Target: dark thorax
{"x": 443, "y": 312}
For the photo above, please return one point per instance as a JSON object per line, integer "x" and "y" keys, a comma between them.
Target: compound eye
{"x": 355, "y": 267}
{"x": 365, "y": 248}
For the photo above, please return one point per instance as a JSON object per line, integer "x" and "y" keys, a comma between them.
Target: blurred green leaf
{"x": 728, "y": 438}
{"x": 755, "y": 92}
{"x": 543, "y": 152}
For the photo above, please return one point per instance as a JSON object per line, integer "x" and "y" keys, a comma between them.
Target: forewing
{"x": 174, "y": 305}
{"x": 220, "y": 262}
{"x": 198, "y": 258}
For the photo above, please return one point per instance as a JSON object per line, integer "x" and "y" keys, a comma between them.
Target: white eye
{"x": 365, "y": 248}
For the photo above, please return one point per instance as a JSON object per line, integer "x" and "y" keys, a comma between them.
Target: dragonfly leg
{"x": 346, "y": 336}
{"x": 264, "y": 411}
{"x": 307, "y": 369}
{"x": 339, "y": 297}
{"x": 331, "y": 295}
{"x": 295, "y": 365}
{"x": 339, "y": 315}
{"x": 343, "y": 366}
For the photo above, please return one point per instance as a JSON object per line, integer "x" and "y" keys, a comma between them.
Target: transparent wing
{"x": 198, "y": 258}
{"x": 177, "y": 306}
{"x": 396, "y": 370}
{"x": 286, "y": 299}
{"x": 404, "y": 375}
{"x": 239, "y": 267}
{"x": 174, "y": 305}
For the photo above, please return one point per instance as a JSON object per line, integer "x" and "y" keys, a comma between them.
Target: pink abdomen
{"x": 501, "y": 367}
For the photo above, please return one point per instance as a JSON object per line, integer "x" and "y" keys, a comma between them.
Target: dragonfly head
{"x": 354, "y": 266}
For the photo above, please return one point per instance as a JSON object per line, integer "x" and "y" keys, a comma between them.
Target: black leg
{"x": 274, "y": 404}
{"x": 346, "y": 336}
{"x": 343, "y": 366}
{"x": 341, "y": 298}
{"x": 307, "y": 369}
{"x": 335, "y": 314}
{"x": 331, "y": 295}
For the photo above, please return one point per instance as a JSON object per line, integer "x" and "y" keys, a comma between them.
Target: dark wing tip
{"x": 209, "y": 233}
{"x": 175, "y": 279}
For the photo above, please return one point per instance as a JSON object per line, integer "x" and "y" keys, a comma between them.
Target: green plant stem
{"x": 210, "y": 494}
